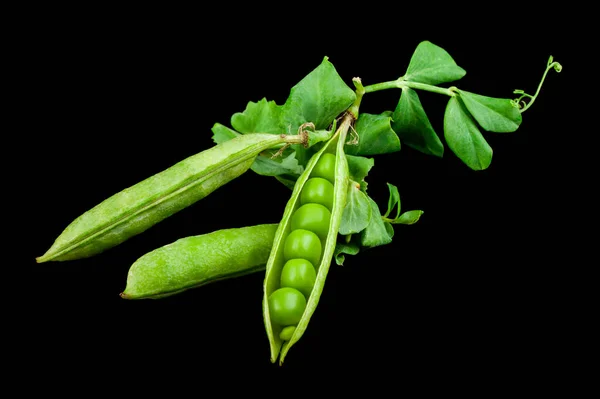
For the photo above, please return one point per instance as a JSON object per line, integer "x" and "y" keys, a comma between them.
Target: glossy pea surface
{"x": 325, "y": 168}
{"x": 319, "y": 191}
{"x": 287, "y": 306}
{"x": 299, "y": 274}
{"x": 302, "y": 244}
{"x": 312, "y": 217}
{"x": 286, "y": 333}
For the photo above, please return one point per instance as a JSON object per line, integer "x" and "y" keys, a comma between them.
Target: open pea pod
{"x": 150, "y": 201}
{"x": 277, "y": 259}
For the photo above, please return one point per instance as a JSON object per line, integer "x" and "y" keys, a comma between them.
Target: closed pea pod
{"x": 334, "y": 167}
{"x": 191, "y": 262}
{"x": 150, "y": 201}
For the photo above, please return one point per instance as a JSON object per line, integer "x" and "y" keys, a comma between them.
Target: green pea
{"x": 319, "y": 191}
{"x": 325, "y": 168}
{"x": 312, "y": 217}
{"x": 302, "y": 244}
{"x": 287, "y": 332}
{"x": 287, "y": 306}
{"x": 299, "y": 274}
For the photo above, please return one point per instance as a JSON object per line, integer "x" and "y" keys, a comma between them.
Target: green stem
{"x": 401, "y": 83}
{"x": 360, "y": 91}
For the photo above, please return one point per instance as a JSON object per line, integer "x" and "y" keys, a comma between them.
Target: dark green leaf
{"x": 260, "y": 117}
{"x": 375, "y": 136}
{"x": 359, "y": 168}
{"x": 393, "y": 200}
{"x": 376, "y": 233}
{"x": 319, "y": 98}
{"x": 342, "y": 249}
{"x": 493, "y": 114}
{"x": 412, "y": 125}
{"x": 222, "y": 133}
{"x": 409, "y": 217}
{"x": 357, "y": 212}
{"x": 464, "y": 138}
{"x": 432, "y": 65}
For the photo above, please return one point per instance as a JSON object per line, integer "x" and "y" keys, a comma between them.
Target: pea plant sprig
{"x": 321, "y": 146}
{"x": 322, "y": 95}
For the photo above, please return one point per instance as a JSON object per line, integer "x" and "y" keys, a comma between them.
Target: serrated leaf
{"x": 319, "y": 97}
{"x": 433, "y": 65}
{"x": 376, "y": 233}
{"x": 222, "y": 133}
{"x": 464, "y": 138}
{"x": 375, "y": 136}
{"x": 259, "y": 117}
{"x": 412, "y": 125}
{"x": 342, "y": 249}
{"x": 267, "y": 166}
{"x": 358, "y": 168}
{"x": 408, "y": 217}
{"x": 393, "y": 200}
{"x": 492, "y": 114}
{"x": 357, "y": 212}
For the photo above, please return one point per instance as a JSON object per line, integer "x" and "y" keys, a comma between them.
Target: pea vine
{"x": 317, "y": 101}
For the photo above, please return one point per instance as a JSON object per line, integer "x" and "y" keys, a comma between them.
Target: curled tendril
{"x": 523, "y": 105}
{"x": 557, "y": 67}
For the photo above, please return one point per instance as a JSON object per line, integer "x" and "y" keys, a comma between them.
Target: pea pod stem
{"x": 150, "y": 201}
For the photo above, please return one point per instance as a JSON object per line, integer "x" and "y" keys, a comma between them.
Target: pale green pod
{"x": 150, "y": 201}
{"x": 198, "y": 260}
{"x": 278, "y": 347}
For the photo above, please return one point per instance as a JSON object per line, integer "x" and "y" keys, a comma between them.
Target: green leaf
{"x": 318, "y": 136}
{"x": 267, "y": 166}
{"x": 222, "y": 133}
{"x": 357, "y": 212}
{"x": 493, "y": 114}
{"x": 389, "y": 228}
{"x": 432, "y": 65}
{"x": 260, "y": 117}
{"x": 464, "y": 138}
{"x": 409, "y": 217}
{"x": 319, "y": 98}
{"x": 393, "y": 200}
{"x": 375, "y": 136}
{"x": 412, "y": 125}
{"x": 359, "y": 168}
{"x": 376, "y": 233}
{"x": 342, "y": 249}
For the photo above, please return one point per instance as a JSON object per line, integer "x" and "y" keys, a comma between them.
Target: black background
{"x": 120, "y": 96}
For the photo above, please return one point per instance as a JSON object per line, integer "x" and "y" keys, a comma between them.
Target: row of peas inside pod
{"x": 303, "y": 247}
